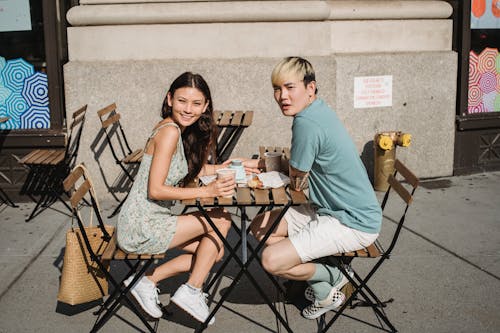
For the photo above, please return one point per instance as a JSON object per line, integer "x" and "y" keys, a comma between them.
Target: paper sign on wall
{"x": 15, "y": 15}
{"x": 372, "y": 91}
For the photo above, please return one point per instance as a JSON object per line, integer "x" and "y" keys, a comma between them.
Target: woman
{"x": 176, "y": 151}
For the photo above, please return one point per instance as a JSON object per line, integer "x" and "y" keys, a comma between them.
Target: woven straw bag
{"x": 82, "y": 280}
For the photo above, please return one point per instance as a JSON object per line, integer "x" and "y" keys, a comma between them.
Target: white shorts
{"x": 315, "y": 236}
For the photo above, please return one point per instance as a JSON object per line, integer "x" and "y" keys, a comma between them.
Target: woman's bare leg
{"x": 180, "y": 264}
{"x": 205, "y": 257}
{"x": 194, "y": 234}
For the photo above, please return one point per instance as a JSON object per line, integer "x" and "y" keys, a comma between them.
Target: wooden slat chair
{"x": 124, "y": 156}
{"x": 230, "y": 125}
{"x": 48, "y": 167}
{"x": 80, "y": 184}
{"x": 404, "y": 183}
{"x": 4, "y": 198}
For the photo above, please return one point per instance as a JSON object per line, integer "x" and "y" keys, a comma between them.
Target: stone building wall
{"x": 129, "y": 52}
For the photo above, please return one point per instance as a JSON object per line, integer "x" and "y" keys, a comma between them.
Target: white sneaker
{"x": 194, "y": 303}
{"x": 146, "y": 294}
{"x": 309, "y": 292}
{"x": 334, "y": 300}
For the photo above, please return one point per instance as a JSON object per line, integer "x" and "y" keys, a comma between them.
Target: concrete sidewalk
{"x": 444, "y": 275}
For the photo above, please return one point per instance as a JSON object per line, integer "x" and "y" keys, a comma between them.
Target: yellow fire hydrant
{"x": 384, "y": 145}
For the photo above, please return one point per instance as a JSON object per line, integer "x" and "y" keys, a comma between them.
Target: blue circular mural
{"x": 24, "y": 95}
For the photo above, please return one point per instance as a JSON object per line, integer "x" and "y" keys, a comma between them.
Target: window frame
{"x": 55, "y": 45}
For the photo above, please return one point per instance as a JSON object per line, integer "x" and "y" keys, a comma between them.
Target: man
{"x": 343, "y": 214}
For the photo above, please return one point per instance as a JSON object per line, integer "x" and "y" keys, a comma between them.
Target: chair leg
{"x": 45, "y": 201}
{"x": 378, "y": 302}
{"x": 64, "y": 203}
{"x": 36, "y": 210}
{"x": 45, "y": 182}
{"x": 117, "y": 209}
{"x": 360, "y": 288}
{"x": 4, "y": 198}
{"x": 123, "y": 294}
{"x": 116, "y": 290}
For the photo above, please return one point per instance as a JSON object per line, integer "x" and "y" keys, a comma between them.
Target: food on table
{"x": 255, "y": 182}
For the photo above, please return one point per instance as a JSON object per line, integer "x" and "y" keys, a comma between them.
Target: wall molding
{"x": 114, "y": 12}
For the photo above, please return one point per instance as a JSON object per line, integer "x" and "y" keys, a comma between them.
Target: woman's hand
{"x": 251, "y": 165}
{"x": 221, "y": 187}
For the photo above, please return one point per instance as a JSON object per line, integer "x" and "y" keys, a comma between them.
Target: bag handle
{"x": 86, "y": 176}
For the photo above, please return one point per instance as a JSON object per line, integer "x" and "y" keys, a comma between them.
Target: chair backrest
{"x": 75, "y": 130}
{"x": 115, "y": 135}
{"x": 79, "y": 183}
{"x": 404, "y": 183}
{"x": 230, "y": 125}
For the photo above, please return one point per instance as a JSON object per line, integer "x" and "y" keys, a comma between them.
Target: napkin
{"x": 273, "y": 179}
{"x": 207, "y": 179}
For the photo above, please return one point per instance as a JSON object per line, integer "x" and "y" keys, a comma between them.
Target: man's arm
{"x": 298, "y": 179}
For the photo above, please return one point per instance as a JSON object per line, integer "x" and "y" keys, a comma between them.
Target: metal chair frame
{"x": 49, "y": 167}
{"x": 79, "y": 181}
{"x": 230, "y": 126}
{"x": 375, "y": 251}
{"x": 4, "y": 198}
{"x": 123, "y": 155}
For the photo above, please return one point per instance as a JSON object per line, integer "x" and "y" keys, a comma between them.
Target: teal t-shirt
{"x": 338, "y": 182}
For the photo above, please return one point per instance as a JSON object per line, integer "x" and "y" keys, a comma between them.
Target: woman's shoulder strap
{"x": 164, "y": 125}
{"x": 155, "y": 131}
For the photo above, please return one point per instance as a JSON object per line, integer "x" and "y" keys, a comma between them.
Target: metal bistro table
{"x": 4, "y": 198}
{"x": 244, "y": 197}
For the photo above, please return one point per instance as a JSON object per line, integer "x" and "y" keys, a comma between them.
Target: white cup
{"x": 273, "y": 161}
{"x": 226, "y": 173}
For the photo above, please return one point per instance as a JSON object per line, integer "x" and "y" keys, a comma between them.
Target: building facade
{"x": 381, "y": 65}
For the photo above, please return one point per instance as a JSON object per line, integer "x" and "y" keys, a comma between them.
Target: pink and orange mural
{"x": 485, "y": 14}
{"x": 484, "y": 81}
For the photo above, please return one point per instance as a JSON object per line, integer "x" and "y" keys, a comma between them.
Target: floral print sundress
{"x": 145, "y": 225}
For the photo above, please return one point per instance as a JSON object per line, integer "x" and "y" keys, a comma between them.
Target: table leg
{"x": 225, "y": 263}
{"x": 243, "y": 229}
{"x": 228, "y": 259}
{"x": 244, "y": 233}
{"x": 244, "y": 268}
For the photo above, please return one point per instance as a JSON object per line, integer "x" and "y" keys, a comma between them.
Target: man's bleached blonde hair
{"x": 295, "y": 67}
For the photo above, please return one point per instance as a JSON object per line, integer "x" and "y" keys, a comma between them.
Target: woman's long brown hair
{"x": 198, "y": 139}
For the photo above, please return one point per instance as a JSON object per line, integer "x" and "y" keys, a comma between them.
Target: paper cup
{"x": 273, "y": 161}
{"x": 226, "y": 173}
